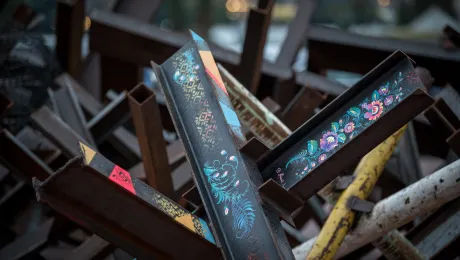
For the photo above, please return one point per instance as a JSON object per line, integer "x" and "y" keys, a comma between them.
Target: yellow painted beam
{"x": 341, "y": 218}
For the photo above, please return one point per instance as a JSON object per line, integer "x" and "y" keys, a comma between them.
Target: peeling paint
{"x": 369, "y": 228}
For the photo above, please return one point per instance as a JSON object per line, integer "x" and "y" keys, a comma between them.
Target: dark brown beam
{"x": 253, "y": 47}
{"x": 17, "y": 157}
{"x": 118, "y": 75}
{"x": 28, "y": 243}
{"x": 70, "y": 17}
{"x": 149, "y": 131}
{"x": 331, "y": 48}
{"x": 51, "y": 126}
{"x": 91, "y": 248}
{"x": 152, "y": 43}
{"x": 139, "y": 9}
{"x": 68, "y": 108}
{"x": 115, "y": 197}
{"x": 121, "y": 139}
{"x": 297, "y": 33}
{"x": 302, "y": 107}
{"x": 110, "y": 118}
{"x": 294, "y": 157}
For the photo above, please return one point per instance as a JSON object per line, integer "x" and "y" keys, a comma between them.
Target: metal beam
{"x": 102, "y": 196}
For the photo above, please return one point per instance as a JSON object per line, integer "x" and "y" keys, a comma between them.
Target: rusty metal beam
{"x": 28, "y": 243}
{"x": 297, "y": 33}
{"x": 115, "y": 196}
{"x": 68, "y": 108}
{"x": 252, "y": 113}
{"x": 331, "y": 48}
{"x": 211, "y": 140}
{"x": 319, "y": 150}
{"x": 253, "y": 47}
{"x": 139, "y": 9}
{"x": 70, "y": 17}
{"x": 91, "y": 248}
{"x": 52, "y": 127}
{"x": 119, "y": 75}
{"x": 152, "y": 43}
{"x": 149, "y": 131}
{"x": 302, "y": 107}
{"x": 110, "y": 118}
{"x": 17, "y": 157}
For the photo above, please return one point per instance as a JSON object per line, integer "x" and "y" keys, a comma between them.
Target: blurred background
{"x": 223, "y": 21}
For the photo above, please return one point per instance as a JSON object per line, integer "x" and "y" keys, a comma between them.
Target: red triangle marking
{"x": 122, "y": 178}
{"x": 217, "y": 81}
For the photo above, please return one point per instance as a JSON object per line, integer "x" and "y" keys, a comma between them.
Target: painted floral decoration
{"x": 355, "y": 119}
{"x": 349, "y": 127}
{"x": 374, "y": 110}
{"x": 322, "y": 157}
{"x": 329, "y": 141}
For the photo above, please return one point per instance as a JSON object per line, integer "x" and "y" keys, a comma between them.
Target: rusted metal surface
{"x": 149, "y": 131}
{"x": 211, "y": 134}
{"x": 302, "y": 107}
{"x": 18, "y": 157}
{"x": 52, "y": 127}
{"x": 28, "y": 243}
{"x": 119, "y": 75}
{"x": 307, "y": 160}
{"x": 252, "y": 113}
{"x": 100, "y": 195}
{"x": 253, "y": 47}
{"x": 446, "y": 122}
{"x": 286, "y": 89}
{"x": 297, "y": 33}
{"x": 395, "y": 245}
{"x": 92, "y": 248}
{"x": 70, "y": 17}
{"x": 139, "y": 9}
{"x": 331, "y": 48}
{"x": 110, "y": 118}
{"x": 121, "y": 139}
{"x": 320, "y": 83}
{"x": 452, "y": 98}
{"x": 68, "y": 107}
{"x": 152, "y": 43}
{"x": 392, "y": 212}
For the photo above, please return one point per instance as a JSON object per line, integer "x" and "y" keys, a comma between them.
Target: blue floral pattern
{"x": 346, "y": 127}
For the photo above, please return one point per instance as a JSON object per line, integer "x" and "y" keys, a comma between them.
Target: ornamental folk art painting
{"x": 211, "y": 133}
{"x": 354, "y": 117}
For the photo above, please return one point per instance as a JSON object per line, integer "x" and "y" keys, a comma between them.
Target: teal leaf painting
{"x": 243, "y": 217}
{"x": 312, "y": 146}
{"x": 342, "y": 137}
{"x": 335, "y": 126}
{"x": 375, "y": 95}
{"x": 354, "y": 111}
